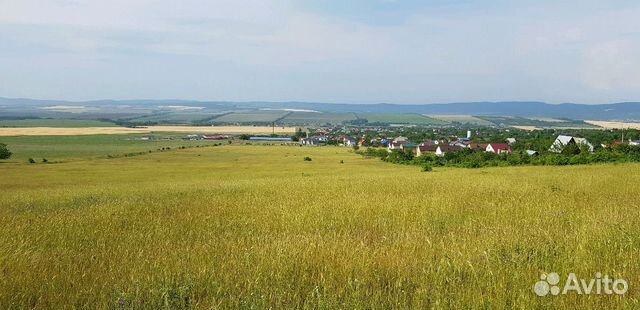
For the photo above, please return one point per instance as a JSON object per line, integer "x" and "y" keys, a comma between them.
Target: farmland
{"x": 251, "y": 117}
{"x": 54, "y": 131}
{"x": 462, "y": 119}
{"x": 56, "y": 123}
{"x": 318, "y": 118}
{"x": 258, "y": 227}
{"x": 407, "y": 118}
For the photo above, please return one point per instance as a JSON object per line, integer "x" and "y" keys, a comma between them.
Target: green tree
{"x": 4, "y": 151}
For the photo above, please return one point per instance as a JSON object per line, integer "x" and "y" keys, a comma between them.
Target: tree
{"x": 4, "y": 151}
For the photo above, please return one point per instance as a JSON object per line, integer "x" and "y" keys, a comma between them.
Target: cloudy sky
{"x": 356, "y": 51}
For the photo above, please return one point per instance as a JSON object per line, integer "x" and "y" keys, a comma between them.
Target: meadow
{"x": 71, "y": 131}
{"x": 400, "y": 118}
{"x": 258, "y": 227}
{"x": 53, "y": 122}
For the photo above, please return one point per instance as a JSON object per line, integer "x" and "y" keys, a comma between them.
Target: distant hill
{"x": 624, "y": 111}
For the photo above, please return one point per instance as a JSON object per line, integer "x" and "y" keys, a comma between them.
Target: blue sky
{"x": 332, "y": 51}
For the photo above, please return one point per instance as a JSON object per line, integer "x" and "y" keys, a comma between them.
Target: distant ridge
{"x": 623, "y": 111}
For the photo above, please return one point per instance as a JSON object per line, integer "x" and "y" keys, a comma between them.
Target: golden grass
{"x": 528, "y": 128}
{"x": 614, "y": 125}
{"x": 257, "y": 227}
{"x": 53, "y": 131}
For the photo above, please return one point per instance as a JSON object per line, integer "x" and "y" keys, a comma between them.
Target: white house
{"x": 562, "y": 141}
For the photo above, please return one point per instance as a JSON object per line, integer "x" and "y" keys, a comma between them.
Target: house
{"x": 216, "y": 137}
{"x": 426, "y": 148}
{"x": 269, "y": 139}
{"x": 408, "y": 147}
{"x": 393, "y": 145}
{"x": 445, "y": 148}
{"x": 634, "y": 143}
{"x": 511, "y": 140}
{"x": 562, "y": 141}
{"x": 315, "y": 140}
{"x": 478, "y": 146}
{"x": 350, "y": 142}
{"x": 498, "y": 148}
{"x": 532, "y": 153}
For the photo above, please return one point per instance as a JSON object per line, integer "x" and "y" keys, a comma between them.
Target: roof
{"x": 500, "y": 146}
{"x": 428, "y": 148}
{"x": 449, "y": 148}
{"x": 564, "y": 139}
{"x": 478, "y": 146}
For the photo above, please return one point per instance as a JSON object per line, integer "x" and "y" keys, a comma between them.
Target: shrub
{"x": 32, "y": 161}
{"x": 307, "y": 158}
{"x": 426, "y": 168}
{"x": 4, "y": 151}
{"x": 44, "y": 160}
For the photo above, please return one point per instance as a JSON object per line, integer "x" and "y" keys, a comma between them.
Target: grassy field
{"x": 65, "y": 148}
{"x": 53, "y": 131}
{"x": 175, "y": 117}
{"x": 400, "y": 118}
{"x": 51, "y": 122}
{"x": 463, "y": 119}
{"x": 318, "y": 118}
{"x": 257, "y": 227}
{"x": 614, "y": 125}
{"x": 250, "y": 117}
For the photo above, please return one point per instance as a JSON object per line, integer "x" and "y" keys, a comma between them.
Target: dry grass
{"x": 614, "y": 125}
{"x": 257, "y": 227}
{"x": 52, "y": 131}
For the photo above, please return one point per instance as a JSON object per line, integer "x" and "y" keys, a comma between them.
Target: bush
{"x": 427, "y": 168}
{"x": 44, "y": 160}
{"x": 32, "y": 161}
{"x": 307, "y": 158}
{"x": 4, "y": 151}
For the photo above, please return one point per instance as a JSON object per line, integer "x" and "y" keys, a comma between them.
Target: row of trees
{"x": 469, "y": 158}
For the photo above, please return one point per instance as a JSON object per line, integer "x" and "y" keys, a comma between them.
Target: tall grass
{"x": 259, "y": 227}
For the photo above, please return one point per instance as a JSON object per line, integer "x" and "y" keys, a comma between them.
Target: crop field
{"x": 463, "y": 119}
{"x": 257, "y": 227}
{"x": 175, "y": 117}
{"x": 65, "y": 148}
{"x": 401, "y": 118}
{"x": 52, "y": 122}
{"x": 614, "y": 125}
{"x": 318, "y": 118}
{"x": 54, "y": 131}
{"x": 250, "y": 117}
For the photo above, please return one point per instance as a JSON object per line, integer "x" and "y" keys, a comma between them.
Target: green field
{"x": 405, "y": 118}
{"x": 521, "y": 121}
{"x": 51, "y": 122}
{"x": 318, "y": 118}
{"x": 463, "y": 119}
{"x": 256, "y": 227}
{"x": 251, "y": 117}
{"x": 64, "y": 148}
{"x": 175, "y": 118}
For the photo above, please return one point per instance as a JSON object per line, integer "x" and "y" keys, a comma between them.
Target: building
{"x": 426, "y": 148}
{"x": 562, "y": 141}
{"x": 478, "y": 146}
{"x": 634, "y": 143}
{"x": 532, "y": 153}
{"x": 445, "y": 148}
{"x": 268, "y": 139}
{"x": 315, "y": 140}
{"x": 498, "y": 148}
{"x": 511, "y": 140}
{"x": 396, "y": 145}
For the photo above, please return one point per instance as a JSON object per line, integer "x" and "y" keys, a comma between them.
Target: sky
{"x": 356, "y": 51}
